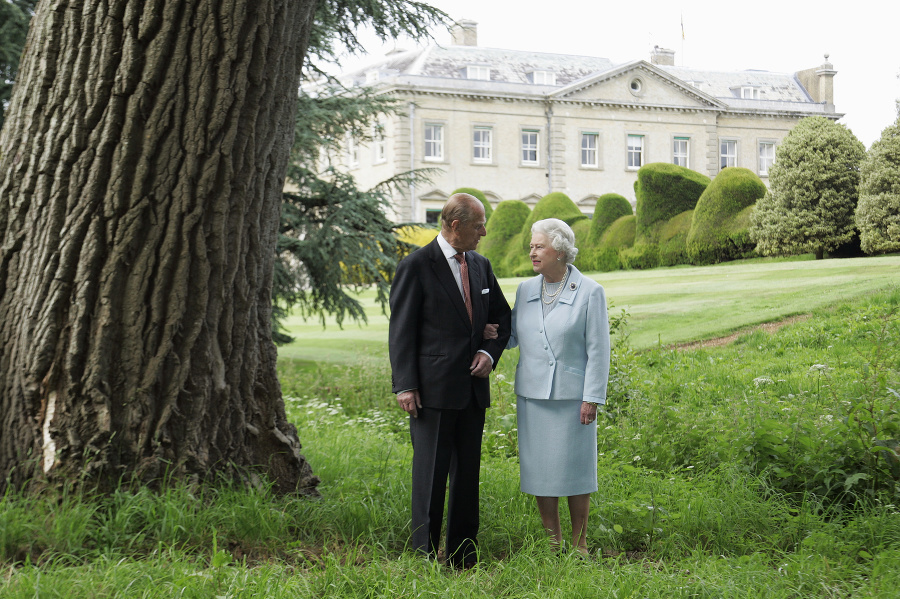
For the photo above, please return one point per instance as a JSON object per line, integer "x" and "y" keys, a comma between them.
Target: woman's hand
{"x": 588, "y": 412}
{"x": 490, "y": 331}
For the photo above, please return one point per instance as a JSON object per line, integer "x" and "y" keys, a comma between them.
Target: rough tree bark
{"x": 142, "y": 165}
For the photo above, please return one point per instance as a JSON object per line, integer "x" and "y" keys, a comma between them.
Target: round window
{"x": 636, "y": 86}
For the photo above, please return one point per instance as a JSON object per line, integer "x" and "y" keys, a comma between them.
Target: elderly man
{"x": 442, "y": 297}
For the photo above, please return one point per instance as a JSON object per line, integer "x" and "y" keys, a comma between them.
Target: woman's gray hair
{"x": 562, "y": 238}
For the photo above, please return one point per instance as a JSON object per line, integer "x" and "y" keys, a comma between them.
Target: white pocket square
{"x": 485, "y": 291}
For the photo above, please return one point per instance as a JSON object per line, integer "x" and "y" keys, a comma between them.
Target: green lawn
{"x": 667, "y": 305}
{"x": 762, "y": 469}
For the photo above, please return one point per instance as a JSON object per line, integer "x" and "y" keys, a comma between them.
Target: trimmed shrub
{"x": 716, "y": 235}
{"x": 488, "y": 210}
{"x": 609, "y": 208}
{"x": 553, "y": 205}
{"x": 504, "y": 226}
{"x": 620, "y": 234}
{"x": 641, "y": 256}
{"x": 604, "y": 254}
{"x": 582, "y": 230}
{"x": 664, "y": 190}
{"x": 673, "y": 239}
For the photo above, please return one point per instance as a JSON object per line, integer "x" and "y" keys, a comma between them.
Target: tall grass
{"x": 739, "y": 471}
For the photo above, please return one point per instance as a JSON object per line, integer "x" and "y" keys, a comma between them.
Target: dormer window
{"x": 478, "y": 72}
{"x": 542, "y": 77}
{"x": 749, "y": 92}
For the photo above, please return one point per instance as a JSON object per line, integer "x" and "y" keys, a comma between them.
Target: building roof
{"x": 438, "y": 68}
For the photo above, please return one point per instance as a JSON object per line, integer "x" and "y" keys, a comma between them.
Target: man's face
{"x": 468, "y": 234}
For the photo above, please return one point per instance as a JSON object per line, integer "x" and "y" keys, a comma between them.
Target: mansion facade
{"x": 519, "y": 124}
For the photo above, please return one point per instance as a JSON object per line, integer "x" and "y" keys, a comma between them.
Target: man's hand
{"x": 410, "y": 402}
{"x": 490, "y": 331}
{"x": 481, "y": 365}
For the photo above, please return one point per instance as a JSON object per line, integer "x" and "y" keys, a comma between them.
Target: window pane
{"x": 481, "y": 144}
{"x": 635, "y": 151}
{"x": 530, "y": 147}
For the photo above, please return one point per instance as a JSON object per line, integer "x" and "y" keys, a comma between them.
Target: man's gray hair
{"x": 562, "y": 238}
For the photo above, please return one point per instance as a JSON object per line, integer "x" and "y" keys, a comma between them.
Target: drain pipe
{"x": 549, "y": 113}
{"x": 412, "y": 161}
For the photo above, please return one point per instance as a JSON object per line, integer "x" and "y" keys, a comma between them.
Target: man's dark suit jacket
{"x": 432, "y": 342}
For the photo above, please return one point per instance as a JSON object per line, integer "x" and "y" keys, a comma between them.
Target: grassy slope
{"x": 666, "y": 305}
{"x": 681, "y": 511}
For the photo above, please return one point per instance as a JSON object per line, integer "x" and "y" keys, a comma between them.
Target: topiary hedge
{"x": 640, "y": 256}
{"x": 664, "y": 190}
{"x": 604, "y": 254}
{"x": 488, "y": 210}
{"x": 504, "y": 226}
{"x": 716, "y": 233}
{"x": 673, "y": 239}
{"x": 553, "y": 205}
{"x": 609, "y": 208}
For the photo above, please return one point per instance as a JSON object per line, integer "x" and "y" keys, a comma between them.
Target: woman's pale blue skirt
{"x": 557, "y": 454}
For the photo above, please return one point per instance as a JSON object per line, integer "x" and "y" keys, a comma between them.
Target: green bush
{"x": 620, "y": 234}
{"x": 673, "y": 239}
{"x": 481, "y": 198}
{"x": 505, "y": 224}
{"x": 664, "y": 190}
{"x": 641, "y": 256}
{"x": 813, "y": 191}
{"x": 610, "y": 207}
{"x": 553, "y": 205}
{"x": 878, "y": 211}
{"x": 716, "y": 234}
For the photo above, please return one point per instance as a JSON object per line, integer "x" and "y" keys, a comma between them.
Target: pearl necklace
{"x": 556, "y": 293}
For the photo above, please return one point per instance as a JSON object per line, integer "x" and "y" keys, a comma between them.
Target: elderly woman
{"x": 560, "y": 324}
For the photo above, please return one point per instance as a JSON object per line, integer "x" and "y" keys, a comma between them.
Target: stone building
{"x": 518, "y": 124}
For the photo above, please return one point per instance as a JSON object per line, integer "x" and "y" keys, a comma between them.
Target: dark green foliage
{"x": 15, "y": 16}
{"x": 716, "y": 233}
{"x": 553, "y": 205}
{"x": 505, "y": 225}
{"x": 488, "y": 210}
{"x": 582, "y": 230}
{"x": 620, "y": 234}
{"x": 673, "y": 239}
{"x": 333, "y": 238}
{"x": 604, "y": 255}
{"x": 609, "y": 208}
{"x": 640, "y": 256}
{"x": 814, "y": 186}
{"x": 662, "y": 191}
{"x": 878, "y": 212}
{"x": 338, "y": 23}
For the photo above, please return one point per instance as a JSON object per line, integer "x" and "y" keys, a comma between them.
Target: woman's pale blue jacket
{"x": 565, "y": 356}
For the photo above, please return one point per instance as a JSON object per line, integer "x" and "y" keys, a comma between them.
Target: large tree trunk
{"x": 143, "y": 159}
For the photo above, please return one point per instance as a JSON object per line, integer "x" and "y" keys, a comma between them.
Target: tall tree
{"x": 139, "y": 205}
{"x": 878, "y": 212}
{"x": 814, "y": 187}
{"x": 139, "y": 211}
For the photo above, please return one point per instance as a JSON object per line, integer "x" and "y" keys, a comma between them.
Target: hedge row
{"x": 682, "y": 217}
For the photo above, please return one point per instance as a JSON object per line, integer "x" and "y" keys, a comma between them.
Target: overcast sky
{"x": 784, "y": 36}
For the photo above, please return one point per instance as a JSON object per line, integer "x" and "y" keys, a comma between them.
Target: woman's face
{"x": 544, "y": 259}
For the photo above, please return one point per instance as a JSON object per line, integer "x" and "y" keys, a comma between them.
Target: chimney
{"x": 819, "y": 83}
{"x": 662, "y": 56}
{"x": 464, "y": 33}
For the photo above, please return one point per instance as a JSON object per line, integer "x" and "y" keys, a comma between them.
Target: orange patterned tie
{"x": 464, "y": 275}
